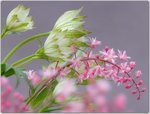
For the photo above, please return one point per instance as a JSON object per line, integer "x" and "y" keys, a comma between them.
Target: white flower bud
{"x": 18, "y": 20}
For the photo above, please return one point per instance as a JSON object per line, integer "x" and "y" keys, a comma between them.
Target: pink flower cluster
{"x": 107, "y": 64}
{"x": 95, "y": 99}
{"x": 11, "y": 101}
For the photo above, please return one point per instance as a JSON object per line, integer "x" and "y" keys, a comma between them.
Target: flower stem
{"x": 23, "y": 61}
{"x": 23, "y": 43}
{"x": 4, "y": 33}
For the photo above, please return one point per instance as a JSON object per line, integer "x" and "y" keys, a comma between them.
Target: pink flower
{"x": 109, "y": 55}
{"x": 125, "y": 67}
{"x": 65, "y": 88}
{"x": 4, "y": 81}
{"x": 143, "y": 90}
{"x": 63, "y": 72}
{"x": 75, "y": 62}
{"x": 132, "y": 64}
{"x": 120, "y": 102}
{"x": 134, "y": 91}
{"x": 11, "y": 101}
{"x": 49, "y": 72}
{"x": 138, "y": 74}
{"x": 122, "y": 55}
{"x": 140, "y": 82}
{"x": 74, "y": 107}
{"x": 94, "y": 42}
{"x": 33, "y": 77}
{"x": 103, "y": 86}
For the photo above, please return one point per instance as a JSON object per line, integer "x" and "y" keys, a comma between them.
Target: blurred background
{"x": 119, "y": 24}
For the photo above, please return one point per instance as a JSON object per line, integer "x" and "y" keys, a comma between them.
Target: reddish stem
{"x": 118, "y": 69}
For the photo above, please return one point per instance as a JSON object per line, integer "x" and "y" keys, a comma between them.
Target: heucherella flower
{"x": 94, "y": 42}
{"x": 120, "y": 102}
{"x": 122, "y": 55}
{"x": 109, "y": 55}
{"x": 67, "y": 35}
{"x": 65, "y": 88}
{"x": 33, "y": 77}
{"x": 94, "y": 98}
{"x": 11, "y": 101}
{"x": 49, "y": 72}
{"x": 18, "y": 20}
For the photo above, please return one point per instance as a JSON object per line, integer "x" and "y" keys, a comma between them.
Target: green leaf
{"x": 47, "y": 109}
{"x": 84, "y": 82}
{"x": 43, "y": 95}
{"x": 3, "y": 68}
{"x": 9, "y": 72}
{"x": 99, "y": 77}
{"x": 40, "y": 97}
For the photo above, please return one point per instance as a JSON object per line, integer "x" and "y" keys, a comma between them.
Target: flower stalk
{"x": 19, "y": 45}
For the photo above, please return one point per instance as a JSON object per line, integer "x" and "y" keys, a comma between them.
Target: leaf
{"x": 42, "y": 96}
{"x": 84, "y": 82}
{"x": 3, "y": 68}
{"x": 9, "y": 72}
{"x": 47, "y": 109}
{"x": 39, "y": 98}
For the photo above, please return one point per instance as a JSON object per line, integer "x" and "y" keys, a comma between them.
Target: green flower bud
{"x": 18, "y": 20}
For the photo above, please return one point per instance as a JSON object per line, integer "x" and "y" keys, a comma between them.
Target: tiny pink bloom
{"x": 122, "y": 55}
{"x": 120, "y": 102}
{"x": 143, "y": 90}
{"x": 4, "y": 81}
{"x": 134, "y": 91}
{"x": 138, "y": 98}
{"x": 64, "y": 72}
{"x": 125, "y": 67}
{"x": 9, "y": 89}
{"x": 109, "y": 55}
{"x": 49, "y": 72}
{"x": 132, "y": 64}
{"x": 18, "y": 96}
{"x": 138, "y": 74}
{"x": 103, "y": 86}
{"x": 140, "y": 82}
{"x": 94, "y": 42}
{"x": 128, "y": 86}
{"x": 33, "y": 77}
{"x": 75, "y": 62}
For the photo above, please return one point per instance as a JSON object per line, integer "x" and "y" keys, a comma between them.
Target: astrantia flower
{"x": 18, "y": 20}
{"x": 67, "y": 32}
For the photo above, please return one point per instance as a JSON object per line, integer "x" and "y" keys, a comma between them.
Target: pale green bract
{"x": 18, "y": 20}
{"x": 67, "y": 32}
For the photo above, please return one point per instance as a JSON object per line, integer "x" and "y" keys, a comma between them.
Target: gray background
{"x": 121, "y": 25}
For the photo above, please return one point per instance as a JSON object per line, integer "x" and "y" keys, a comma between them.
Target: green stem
{"x": 4, "y": 33}
{"x": 23, "y": 43}
{"x": 24, "y": 60}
